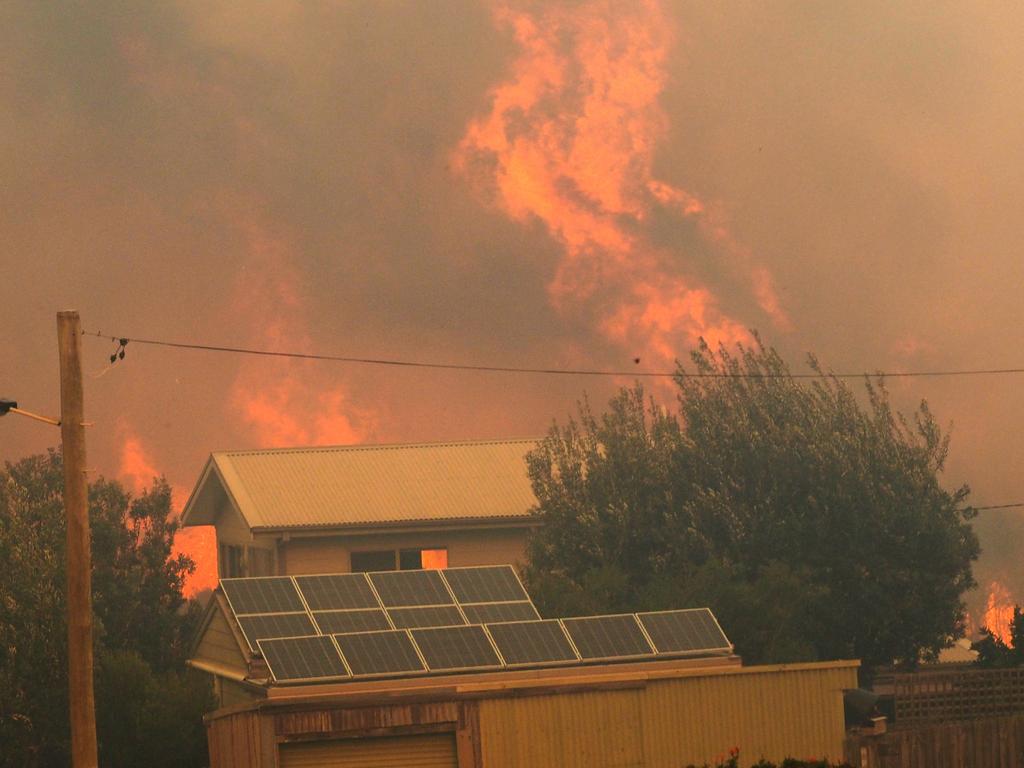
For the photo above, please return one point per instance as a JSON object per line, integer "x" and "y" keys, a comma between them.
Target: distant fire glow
{"x": 138, "y": 471}
{"x": 570, "y": 140}
{"x": 998, "y": 611}
{"x": 285, "y": 402}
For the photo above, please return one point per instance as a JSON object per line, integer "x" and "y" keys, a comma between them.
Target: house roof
{"x": 327, "y": 487}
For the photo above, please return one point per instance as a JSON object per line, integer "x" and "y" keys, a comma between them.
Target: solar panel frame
{"x": 499, "y": 613}
{"x": 356, "y": 620}
{"x": 337, "y": 591}
{"x": 421, "y": 617}
{"x": 467, "y": 589}
{"x": 504, "y": 642}
{"x": 393, "y": 593}
{"x": 584, "y": 637}
{"x": 274, "y": 644}
{"x": 437, "y": 643}
{"x": 253, "y": 595}
{"x": 253, "y": 635}
{"x": 353, "y": 647}
{"x": 649, "y": 619}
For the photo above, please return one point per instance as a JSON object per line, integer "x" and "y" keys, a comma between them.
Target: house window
{"x": 414, "y": 559}
{"x": 373, "y": 561}
{"x": 230, "y": 561}
{"x": 403, "y": 559}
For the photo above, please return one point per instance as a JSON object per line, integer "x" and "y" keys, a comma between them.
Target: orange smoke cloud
{"x": 570, "y": 140}
{"x": 138, "y": 471}
{"x": 998, "y": 611}
{"x": 286, "y": 402}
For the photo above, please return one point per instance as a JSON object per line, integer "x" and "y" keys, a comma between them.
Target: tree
{"x": 140, "y": 618}
{"x": 813, "y": 524}
{"x": 994, "y": 652}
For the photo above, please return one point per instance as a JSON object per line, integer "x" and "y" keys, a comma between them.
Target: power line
{"x": 123, "y": 340}
{"x": 1000, "y": 506}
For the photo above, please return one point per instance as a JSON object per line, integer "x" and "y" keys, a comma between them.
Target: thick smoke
{"x": 841, "y": 177}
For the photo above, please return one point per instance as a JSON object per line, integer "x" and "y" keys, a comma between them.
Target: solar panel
{"x": 606, "y": 637}
{"x": 532, "y": 642}
{"x": 488, "y": 584}
{"x": 302, "y": 658}
{"x": 380, "y": 653}
{"x": 267, "y": 594}
{"x": 486, "y": 613}
{"x": 335, "y": 622}
{"x": 336, "y": 592}
{"x": 407, "y": 588}
{"x": 431, "y": 616}
{"x": 268, "y": 625}
{"x": 688, "y": 631}
{"x": 452, "y": 648}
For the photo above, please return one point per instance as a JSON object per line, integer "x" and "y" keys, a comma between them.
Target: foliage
{"x": 149, "y": 718}
{"x": 139, "y": 612}
{"x": 732, "y": 760}
{"x": 815, "y": 526}
{"x": 994, "y": 653}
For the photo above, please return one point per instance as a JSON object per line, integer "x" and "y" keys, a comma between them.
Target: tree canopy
{"x": 994, "y": 652}
{"x": 812, "y": 522}
{"x": 141, "y": 624}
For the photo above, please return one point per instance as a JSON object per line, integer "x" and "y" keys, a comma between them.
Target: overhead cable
{"x": 122, "y": 341}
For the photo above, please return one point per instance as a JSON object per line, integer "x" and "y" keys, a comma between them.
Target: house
{"x": 365, "y": 508}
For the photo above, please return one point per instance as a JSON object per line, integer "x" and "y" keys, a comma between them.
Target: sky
{"x": 537, "y": 184}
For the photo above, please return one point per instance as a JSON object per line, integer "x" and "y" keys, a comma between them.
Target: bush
{"x": 732, "y": 760}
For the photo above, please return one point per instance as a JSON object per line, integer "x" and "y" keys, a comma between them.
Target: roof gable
{"x": 366, "y": 485}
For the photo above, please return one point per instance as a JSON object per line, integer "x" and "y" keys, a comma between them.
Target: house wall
{"x": 218, "y": 644}
{"x": 330, "y": 554}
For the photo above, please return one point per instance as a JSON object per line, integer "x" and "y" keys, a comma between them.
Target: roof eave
{"x": 393, "y": 526}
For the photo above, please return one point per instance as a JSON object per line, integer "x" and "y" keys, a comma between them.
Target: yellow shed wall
{"x": 774, "y": 712}
{"x": 330, "y": 554}
{"x": 582, "y": 730}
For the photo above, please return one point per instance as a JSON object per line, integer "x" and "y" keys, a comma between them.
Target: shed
{"x": 652, "y": 714}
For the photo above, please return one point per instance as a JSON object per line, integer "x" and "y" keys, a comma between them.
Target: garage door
{"x": 430, "y": 751}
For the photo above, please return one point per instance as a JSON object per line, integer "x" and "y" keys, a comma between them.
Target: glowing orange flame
{"x": 136, "y": 467}
{"x": 286, "y": 402}
{"x": 570, "y": 140}
{"x": 999, "y": 611}
{"x": 138, "y": 471}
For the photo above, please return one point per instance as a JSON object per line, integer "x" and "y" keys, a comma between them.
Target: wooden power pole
{"x": 79, "y": 556}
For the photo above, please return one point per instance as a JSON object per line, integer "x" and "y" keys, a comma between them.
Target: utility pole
{"x": 79, "y": 555}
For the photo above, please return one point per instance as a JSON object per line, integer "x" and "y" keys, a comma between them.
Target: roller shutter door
{"x": 430, "y": 751}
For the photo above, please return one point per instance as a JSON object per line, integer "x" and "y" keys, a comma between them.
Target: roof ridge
{"x": 373, "y": 446}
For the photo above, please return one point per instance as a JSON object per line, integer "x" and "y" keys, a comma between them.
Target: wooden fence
{"x": 927, "y": 697}
{"x": 996, "y": 742}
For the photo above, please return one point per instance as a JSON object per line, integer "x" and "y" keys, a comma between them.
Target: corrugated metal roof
{"x": 366, "y": 485}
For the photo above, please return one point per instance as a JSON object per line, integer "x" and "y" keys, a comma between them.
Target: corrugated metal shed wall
{"x": 774, "y": 712}
{"x": 579, "y": 730}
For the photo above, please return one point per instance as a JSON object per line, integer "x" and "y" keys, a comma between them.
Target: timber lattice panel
{"x": 955, "y": 695}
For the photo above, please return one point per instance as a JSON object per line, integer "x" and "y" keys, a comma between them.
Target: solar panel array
{"x": 269, "y": 607}
{"x": 343, "y": 626}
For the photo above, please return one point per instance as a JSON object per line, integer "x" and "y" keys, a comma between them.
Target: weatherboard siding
{"x": 218, "y": 644}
